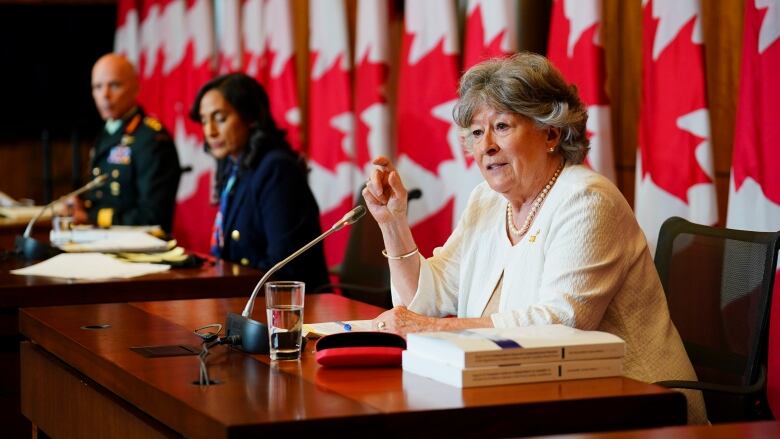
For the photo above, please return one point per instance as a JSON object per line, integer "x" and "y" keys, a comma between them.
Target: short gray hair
{"x": 529, "y": 85}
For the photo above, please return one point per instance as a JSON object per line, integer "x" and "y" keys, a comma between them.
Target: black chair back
{"x": 718, "y": 284}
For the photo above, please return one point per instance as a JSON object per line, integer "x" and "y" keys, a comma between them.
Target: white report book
{"x": 527, "y": 344}
{"x": 510, "y": 374}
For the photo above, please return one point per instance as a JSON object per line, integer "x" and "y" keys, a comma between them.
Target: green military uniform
{"x": 143, "y": 171}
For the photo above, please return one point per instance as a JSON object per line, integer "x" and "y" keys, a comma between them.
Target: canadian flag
{"x": 429, "y": 153}
{"x": 754, "y": 196}
{"x": 491, "y": 30}
{"x": 194, "y": 211}
{"x": 175, "y": 48}
{"x": 331, "y": 120}
{"x": 150, "y": 55}
{"x": 372, "y": 55}
{"x": 674, "y": 175}
{"x": 267, "y": 33}
{"x": 126, "y": 36}
{"x": 575, "y": 47}
{"x": 227, "y": 14}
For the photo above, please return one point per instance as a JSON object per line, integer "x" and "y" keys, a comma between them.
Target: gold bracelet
{"x": 403, "y": 256}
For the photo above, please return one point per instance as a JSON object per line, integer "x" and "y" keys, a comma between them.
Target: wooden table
{"x": 741, "y": 430}
{"x": 87, "y": 382}
{"x": 221, "y": 279}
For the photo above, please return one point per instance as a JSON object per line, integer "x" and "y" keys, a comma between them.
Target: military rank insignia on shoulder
{"x": 153, "y": 123}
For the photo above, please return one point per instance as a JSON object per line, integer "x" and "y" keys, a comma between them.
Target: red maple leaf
{"x": 474, "y": 49}
{"x": 586, "y": 67}
{"x": 281, "y": 91}
{"x": 424, "y": 85}
{"x": 757, "y": 137}
{"x": 673, "y": 86}
{"x": 328, "y": 98}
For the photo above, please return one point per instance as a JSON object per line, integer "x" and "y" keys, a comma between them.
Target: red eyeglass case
{"x": 360, "y": 349}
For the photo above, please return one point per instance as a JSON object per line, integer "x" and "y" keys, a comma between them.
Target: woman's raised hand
{"x": 385, "y": 194}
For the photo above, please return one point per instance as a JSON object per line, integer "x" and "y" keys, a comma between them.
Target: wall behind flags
{"x": 21, "y": 158}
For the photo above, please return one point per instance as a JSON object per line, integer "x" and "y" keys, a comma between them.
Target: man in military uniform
{"x": 134, "y": 150}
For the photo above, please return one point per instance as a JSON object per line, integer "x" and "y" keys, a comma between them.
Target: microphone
{"x": 253, "y": 335}
{"x": 30, "y": 247}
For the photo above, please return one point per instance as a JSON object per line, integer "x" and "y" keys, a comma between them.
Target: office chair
{"x": 718, "y": 284}
{"x": 364, "y": 274}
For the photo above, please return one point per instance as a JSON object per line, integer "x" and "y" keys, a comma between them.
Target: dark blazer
{"x": 141, "y": 162}
{"x": 272, "y": 213}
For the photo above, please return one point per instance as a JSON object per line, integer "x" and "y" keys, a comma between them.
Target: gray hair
{"x": 529, "y": 85}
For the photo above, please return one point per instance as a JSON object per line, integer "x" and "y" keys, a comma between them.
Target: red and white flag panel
{"x": 331, "y": 120}
{"x": 491, "y": 30}
{"x": 674, "y": 162}
{"x": 372, "y": 57}
{"x": 150, "y": 55}
{"x": 269, "y": 57}
{"x": 194, "y": 211}
{"x": 754, "y": 196}
{"x": 176, "y": 49}
{"x": 429, "y": 155}
{"x": 227, "y": 15}
{"x": 575, "y": 47}
{"x": 126, "y": 35}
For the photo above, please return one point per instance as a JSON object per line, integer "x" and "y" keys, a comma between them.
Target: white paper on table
{"x": 328, "y": 328}
{"x": 89, "y": 266}
{"x": 111, "y": 242}
{"x": 23, "y": 213}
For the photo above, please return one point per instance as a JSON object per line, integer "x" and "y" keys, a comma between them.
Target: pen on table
{"x": 345, "y": 325}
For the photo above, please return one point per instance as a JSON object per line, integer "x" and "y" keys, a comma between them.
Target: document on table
{"x": 23, "y": 213}
{"x": 328, "y": 328}
{"x": 89, "y": 266}
{"x": 107, "y": 241}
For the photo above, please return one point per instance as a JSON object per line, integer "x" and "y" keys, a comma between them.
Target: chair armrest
{"x": 756, "y": 387}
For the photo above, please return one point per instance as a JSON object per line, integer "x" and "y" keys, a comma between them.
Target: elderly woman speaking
{"x": 542, "y": 240}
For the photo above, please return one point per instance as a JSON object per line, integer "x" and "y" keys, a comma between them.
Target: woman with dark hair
{"x": 266, "y": 208}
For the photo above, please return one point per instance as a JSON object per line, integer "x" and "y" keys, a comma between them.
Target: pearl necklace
{"x": 534, "y": 207}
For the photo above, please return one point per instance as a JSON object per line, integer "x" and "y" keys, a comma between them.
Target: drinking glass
{"x": 284, "y": 307}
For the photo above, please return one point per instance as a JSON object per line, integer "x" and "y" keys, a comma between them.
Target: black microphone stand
{"x": 251, "y": 335}
{"x": 29, "y": 247}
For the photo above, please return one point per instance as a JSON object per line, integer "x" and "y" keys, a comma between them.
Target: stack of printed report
{"x": 494, "y": 356}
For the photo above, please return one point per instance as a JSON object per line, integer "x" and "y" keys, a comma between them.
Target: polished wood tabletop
{"x": 259, "y": 396}
{"x": 741, "y": 430}
{"x": 213, "y": 279}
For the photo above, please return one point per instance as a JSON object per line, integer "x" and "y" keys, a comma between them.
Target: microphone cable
{"x": 209, "y": 335}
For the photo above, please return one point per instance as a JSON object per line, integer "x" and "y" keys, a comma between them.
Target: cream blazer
{"x": 584, "y": 263}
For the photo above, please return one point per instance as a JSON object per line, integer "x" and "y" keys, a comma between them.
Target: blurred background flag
{"x": 372, "y": 56}
{"x": 491, "y": 30}
{"x": 575, "y": 47}
{"x": 331, "y": 120}
{"x": 674, "y": 175}
{"x": 754, "y": 196}
{"x": 227, "y": 16}
{"x": 269, "y": 57}
{"x": 429, "y": 154}
{"x": 126, "y": 36}
{"x": 194, "y": 211}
